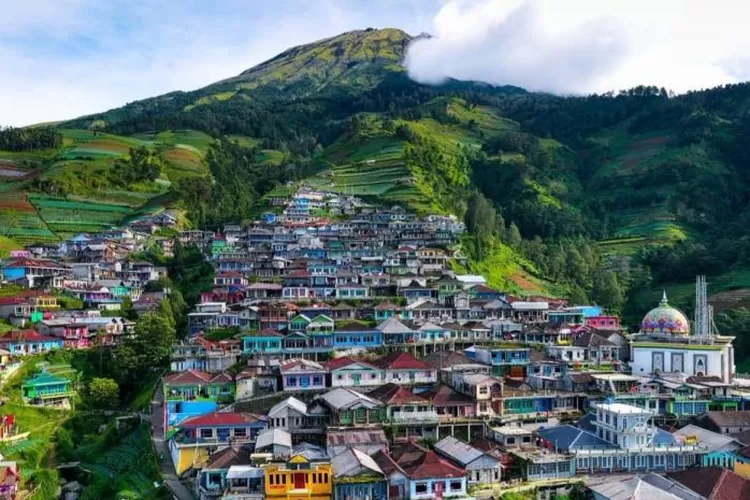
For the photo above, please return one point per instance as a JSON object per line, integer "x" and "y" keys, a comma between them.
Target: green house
{"x": 47, "y": 389}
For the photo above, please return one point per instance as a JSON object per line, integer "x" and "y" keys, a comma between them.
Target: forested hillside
{"x": 605, "y": 197}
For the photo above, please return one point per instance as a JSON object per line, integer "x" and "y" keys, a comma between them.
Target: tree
{"x": 147, "y": 350}
{"x": 103, "y": 393}
{"x": 514, "y": 236}
{"x": 607, "y": 291}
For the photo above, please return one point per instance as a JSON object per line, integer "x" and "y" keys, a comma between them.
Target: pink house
{"x": 603, "y": 322}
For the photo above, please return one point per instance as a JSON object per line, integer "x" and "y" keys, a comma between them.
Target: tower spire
{"x": 664, "y": 300}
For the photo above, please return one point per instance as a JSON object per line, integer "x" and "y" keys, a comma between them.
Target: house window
{"x": 207, "y": 433}
{"x": 317, "y": 380}
{"x": 510, "y": 440}
{"x": 240, "y": 432}
{"x": 339, "y": 377}
{"x": 420, "y": 488}
{"x": 483, "y": 390}
{"x": 291, "y": 381}
{"x": 458, "y": 485}
{"x": 437, "y": 484}
{"x": 272, "y": 479}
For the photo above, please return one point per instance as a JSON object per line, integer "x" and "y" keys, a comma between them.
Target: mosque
{"x": 666, "y": 343}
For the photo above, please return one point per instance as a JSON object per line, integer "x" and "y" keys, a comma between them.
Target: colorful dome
{"x": 665, "y": 320}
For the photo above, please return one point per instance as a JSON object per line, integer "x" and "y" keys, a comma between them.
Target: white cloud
{"x": 581, "y": 46}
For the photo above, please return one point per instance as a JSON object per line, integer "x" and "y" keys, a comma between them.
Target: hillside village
{"x": 338, "y": 356}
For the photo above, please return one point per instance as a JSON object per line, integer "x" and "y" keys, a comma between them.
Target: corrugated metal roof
{"x": 350, "y": 462}
{"x": 270, "y": 437}
{"x": 343, "y": 397}
{"x": 459, "y": 451}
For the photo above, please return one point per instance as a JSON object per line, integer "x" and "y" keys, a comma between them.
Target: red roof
{"x": 713, "y": 482}
{"x": 220, "y": 418}
{"x": 337, "y": 363}
{"x": 445, "y": 396}
{"x": 395, "y": 395}
{"x": 429, "y": 466}
{"x": 25, "y": 262}
{"x": 402, "y": 361}
{"x": 190, "y": 377}
{"x": 27, "y": 335}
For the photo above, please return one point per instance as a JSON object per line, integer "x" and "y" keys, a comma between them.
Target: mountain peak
{"x": 387, "y": 44}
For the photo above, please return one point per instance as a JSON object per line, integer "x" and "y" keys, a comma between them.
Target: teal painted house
{"x": 262, "y": 342}
{"x": 47, "y": 389}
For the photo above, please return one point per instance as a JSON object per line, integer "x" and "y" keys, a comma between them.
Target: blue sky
{"x": 64, "y": 58}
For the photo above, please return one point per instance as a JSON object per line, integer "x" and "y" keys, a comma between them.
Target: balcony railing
{"x": 418, "y": 417}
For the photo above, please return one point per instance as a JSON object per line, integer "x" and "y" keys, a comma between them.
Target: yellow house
{"x": 742, "y": 462}
{"x": 299, "y": 479}
{"x": 185, "y": 457}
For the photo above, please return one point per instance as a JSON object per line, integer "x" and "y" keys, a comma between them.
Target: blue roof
{"x": 663, "y": 438}
{"x": 587, "y": 422}
{"x": 568, "y": 437}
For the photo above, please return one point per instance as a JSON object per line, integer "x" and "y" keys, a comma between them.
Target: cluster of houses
{"x": 339, "y": 356}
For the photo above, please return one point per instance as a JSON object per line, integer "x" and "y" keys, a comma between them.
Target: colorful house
{"x": 23, "y": 342}
{"x": 348, "y": 407}
{"x": 47, "y": 389}
{"x": 262, "y": 342}
{"x": 10, "y": 479}
{"x": 429, "y": 476}
{"x": 346, "y": 372}
{"x": 193, "y": 385}
{"x": 356, "y": 336}
{"x": 198, "y": 437}
{"x": 357, "y": 475}
{"x": 303, "y": 375}
{"x": 299, "y": 479}
{"x": 403, "y": 368}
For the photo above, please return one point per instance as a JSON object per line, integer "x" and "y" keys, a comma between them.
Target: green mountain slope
{"x": 557, "y": 189}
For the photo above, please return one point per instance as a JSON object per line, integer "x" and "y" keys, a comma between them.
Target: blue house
{"x": 414, "y": 292}
{"x": 213, "y": 478}
{"x": 624, "y": 441}
{"x": 262, "y": 342}
{"x": 511, "y": 360}
{"x": 429, "y": 474}
{"x": 355, "y": 336}
{"x": 29, "y": 342}
{"x": 303, "y": 375}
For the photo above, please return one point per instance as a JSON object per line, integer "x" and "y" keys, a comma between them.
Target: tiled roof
{"x": 401, "y": 361}
{"x": 429, "y": 465}
{"x": 715, "y": 483}
{"x": 591, "y": 339}
{"x": 395, "y": 394}
{"x": 729, "y": 418}
{"x": 224, "y": 459}
{"x": 445, "y": 396}
{"x": 190, "y": 377}
{"x": 222, "y": 418}
{"x": 446, "y": 359}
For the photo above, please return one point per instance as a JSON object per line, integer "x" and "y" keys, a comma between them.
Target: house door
{"x": 356, "y": 378}
{"x": 299, "y": 480}
{"x": 304, "y": 381}
{"x": 393, "y": 492}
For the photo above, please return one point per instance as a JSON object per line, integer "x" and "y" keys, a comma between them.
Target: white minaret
{"x": 703, "y": 313}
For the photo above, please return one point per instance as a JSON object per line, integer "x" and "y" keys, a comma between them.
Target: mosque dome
{"x": 665, "y": 320}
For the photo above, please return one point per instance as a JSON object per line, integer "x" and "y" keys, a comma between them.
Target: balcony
{"x": 415, "y": 417}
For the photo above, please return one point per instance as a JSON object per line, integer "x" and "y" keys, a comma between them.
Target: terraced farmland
{"x": 67, "y": 217}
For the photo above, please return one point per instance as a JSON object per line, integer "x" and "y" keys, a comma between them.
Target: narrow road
{"x": 166, "y": 467}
